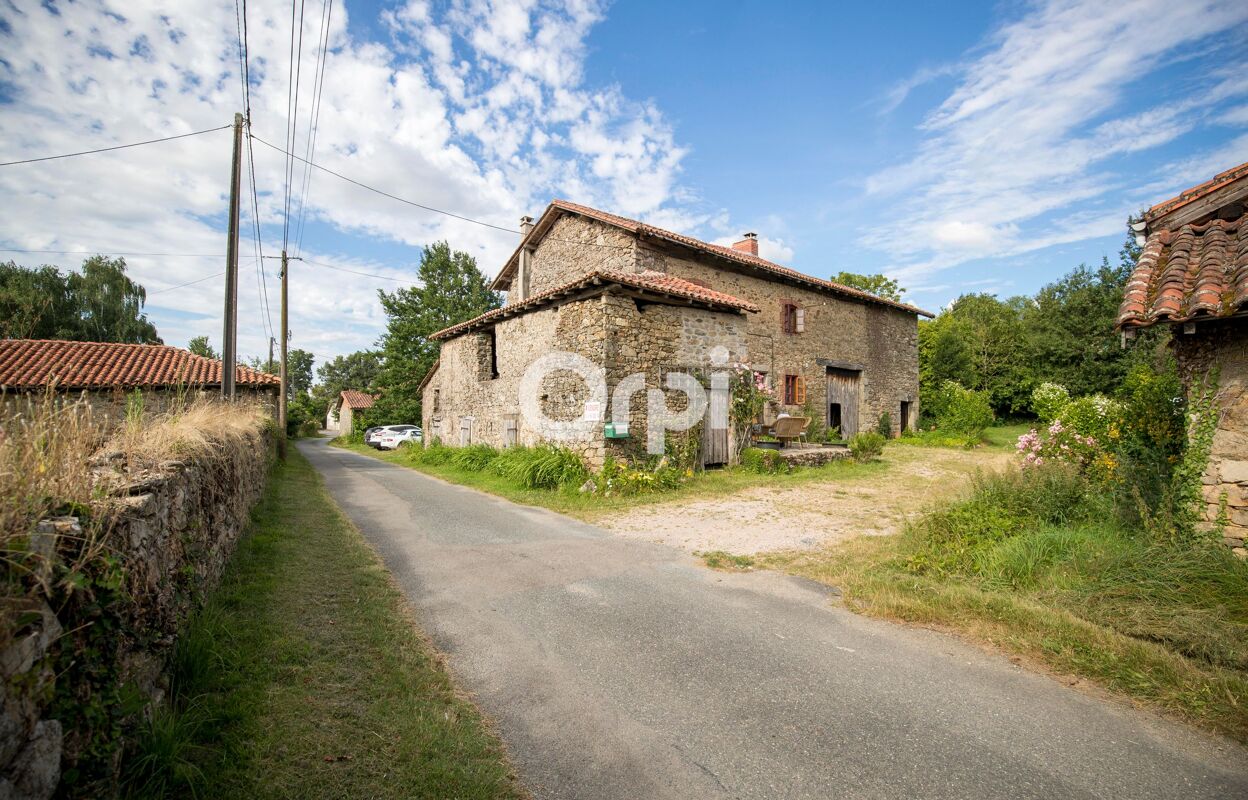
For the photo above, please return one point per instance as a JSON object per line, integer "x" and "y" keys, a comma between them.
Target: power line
{"x": 385, "y": 193}
{"x": 292, "y": 115}
{"x": 355, "y": 271}
{"x": 188, "y": 283}
{"x": 115, "y": 147}
{"x": 102, "y": 253}
{"x": 318, "y": 82}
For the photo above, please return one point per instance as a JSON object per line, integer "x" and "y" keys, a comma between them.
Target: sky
{"x": 958, "y": 147}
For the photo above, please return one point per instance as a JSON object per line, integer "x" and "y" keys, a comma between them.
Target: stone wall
{"x": 880, "y": 342}
{"x": 463, "y": 403}
{"x": 174, "y": 530}
{"x": 1223, "y": 345}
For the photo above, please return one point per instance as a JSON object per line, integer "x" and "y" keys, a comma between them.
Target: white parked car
{"x": 391, "y": 436}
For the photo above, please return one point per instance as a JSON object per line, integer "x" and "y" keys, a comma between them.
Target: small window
{"x": 792, "y": 318}
{"x": 437, "y": 400}
{"x": 794, "y": 390}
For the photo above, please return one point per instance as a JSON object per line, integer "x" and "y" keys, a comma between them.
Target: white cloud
{"x": 478, "y": 107}
{"x": 1031, "y": 128}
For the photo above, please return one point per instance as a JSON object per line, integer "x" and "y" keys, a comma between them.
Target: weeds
{"x": 719, "y": 559}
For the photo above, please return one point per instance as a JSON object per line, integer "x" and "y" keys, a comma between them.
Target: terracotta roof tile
{"x": 658, "y": 282}
{"x": 1196, "y": 192}
{"x": 357, "y": 400}
{"x": 642, "y": 229}
{"x": 34, "y": 363}
{"x": 1195, "y": 272}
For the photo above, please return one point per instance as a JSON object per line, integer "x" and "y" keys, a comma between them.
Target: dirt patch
{"x": 811, "y": 514}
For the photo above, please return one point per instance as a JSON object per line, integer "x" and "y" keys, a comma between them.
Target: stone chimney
{"x": 748, "y": 245}
{"x": 520, "y": 282}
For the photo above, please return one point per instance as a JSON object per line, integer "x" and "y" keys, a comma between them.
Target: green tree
{"x": 199, "y": 346}
{"x": 98, "y": 304}
{"x": 35, "y": 304}
{"x": 878, "y": 285}
{"x": 109, "y": 304}
{"x": 358, "y": 370}
{"x": 299, "y": 370}
{"x": 980, "y": 342}
{"x": 450, "y": 290}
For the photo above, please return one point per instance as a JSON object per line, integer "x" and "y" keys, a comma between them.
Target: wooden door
{"x": 715, "y": 442}
{"x": 843, "y": 400}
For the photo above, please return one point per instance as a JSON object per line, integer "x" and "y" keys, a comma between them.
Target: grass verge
{"x": 1034, "y": 564}
{"x": 588, "y": 506}
{"x": 304, "y": 676}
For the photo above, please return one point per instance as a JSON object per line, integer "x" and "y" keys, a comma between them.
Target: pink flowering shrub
{"x": 1065, "y": 445}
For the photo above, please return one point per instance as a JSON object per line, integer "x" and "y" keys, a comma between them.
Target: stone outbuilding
{"x": 1192, "y": 277}
{"x": 107, "y": 374}
{"x": 341, "y": 416}
{"x": 630, "y": 298}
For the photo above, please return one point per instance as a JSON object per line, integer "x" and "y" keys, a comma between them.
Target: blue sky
{"x": 959, "y": 147}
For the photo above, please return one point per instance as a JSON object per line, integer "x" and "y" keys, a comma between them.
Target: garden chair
{"x": 789, "y": 429}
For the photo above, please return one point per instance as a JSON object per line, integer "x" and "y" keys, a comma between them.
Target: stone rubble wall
{"x": 880, "y": 341}
{"x": 174, "y": 532}
{"x": 1223, "y": 345}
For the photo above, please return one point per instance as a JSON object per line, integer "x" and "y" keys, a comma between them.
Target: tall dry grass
{"x": 58, "y": 457}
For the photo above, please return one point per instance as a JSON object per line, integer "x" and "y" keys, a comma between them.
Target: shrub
{"x": 763, "y": 461}
{"x": 474, "y": 457}
{"x": 619, "y": 478}
{"x": 1095, "y": 415}
{"x": 543, "y": 467}
{"x": 433, "y": 453}
{"x": 866, "y": 446}
{"x": 885, "y": 426}
{"x": 1048, "y": 399}
{"x": 962, "y": 410}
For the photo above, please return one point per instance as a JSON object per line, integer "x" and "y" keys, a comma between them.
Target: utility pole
{"x": 269, "y": 363}
{"x": 281, "y": 403}
{"x": 229, "y": 346}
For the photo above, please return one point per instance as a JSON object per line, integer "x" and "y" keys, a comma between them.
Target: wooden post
{"x": 281, "y": 401}
{"x": 229, "y": 341}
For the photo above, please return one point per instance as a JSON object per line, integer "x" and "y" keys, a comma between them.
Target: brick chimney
{"x": 748, "y": 245}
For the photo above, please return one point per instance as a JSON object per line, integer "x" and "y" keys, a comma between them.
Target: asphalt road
{"x": 619, "y": 669}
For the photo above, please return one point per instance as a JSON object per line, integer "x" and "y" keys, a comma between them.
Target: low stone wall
{"x": 173, "y": 532}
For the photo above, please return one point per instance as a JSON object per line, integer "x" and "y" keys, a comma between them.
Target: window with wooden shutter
{"x": 792, "y": 318}
{"x": 794, "y": 390}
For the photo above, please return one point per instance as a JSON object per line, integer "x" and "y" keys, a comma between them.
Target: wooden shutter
{"x": 799, "y": 319}
{"x": 800, "y": 386}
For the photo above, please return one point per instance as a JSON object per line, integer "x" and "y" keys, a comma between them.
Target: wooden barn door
{"x": 843, "y": 400}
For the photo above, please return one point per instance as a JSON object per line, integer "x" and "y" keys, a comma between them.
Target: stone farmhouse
{"x": 632, "y": 298}
{"x": 1193, "y": 278}
{"x": 106, "y": 374}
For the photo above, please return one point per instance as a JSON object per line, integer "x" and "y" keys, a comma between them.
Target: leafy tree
{"x": 199, "y": 346}
{"x": 98, "y": 304}
{"x": 299, "y": 370}
{"x": 979, "y": 342}
{"x": 878, "y": 285}
{"x": 110, "y": 305}
{"x": 35, "y": 304}
{"x": 450, "y": 290}
{"x": 359, "y": 370}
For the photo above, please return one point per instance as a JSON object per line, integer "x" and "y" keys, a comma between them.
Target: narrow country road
{"x": 621, "y": 669}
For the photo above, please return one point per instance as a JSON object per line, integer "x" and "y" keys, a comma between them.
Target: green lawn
{"x": 997, "y": 437}
{"x": 587, "y": 506}
{"x": 305, "y": 677}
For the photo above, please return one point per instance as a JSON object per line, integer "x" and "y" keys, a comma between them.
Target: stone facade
{"x": 1224, "y": 346}
{"x": 473, "y": 396}
{"x": 173, "y": 534}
